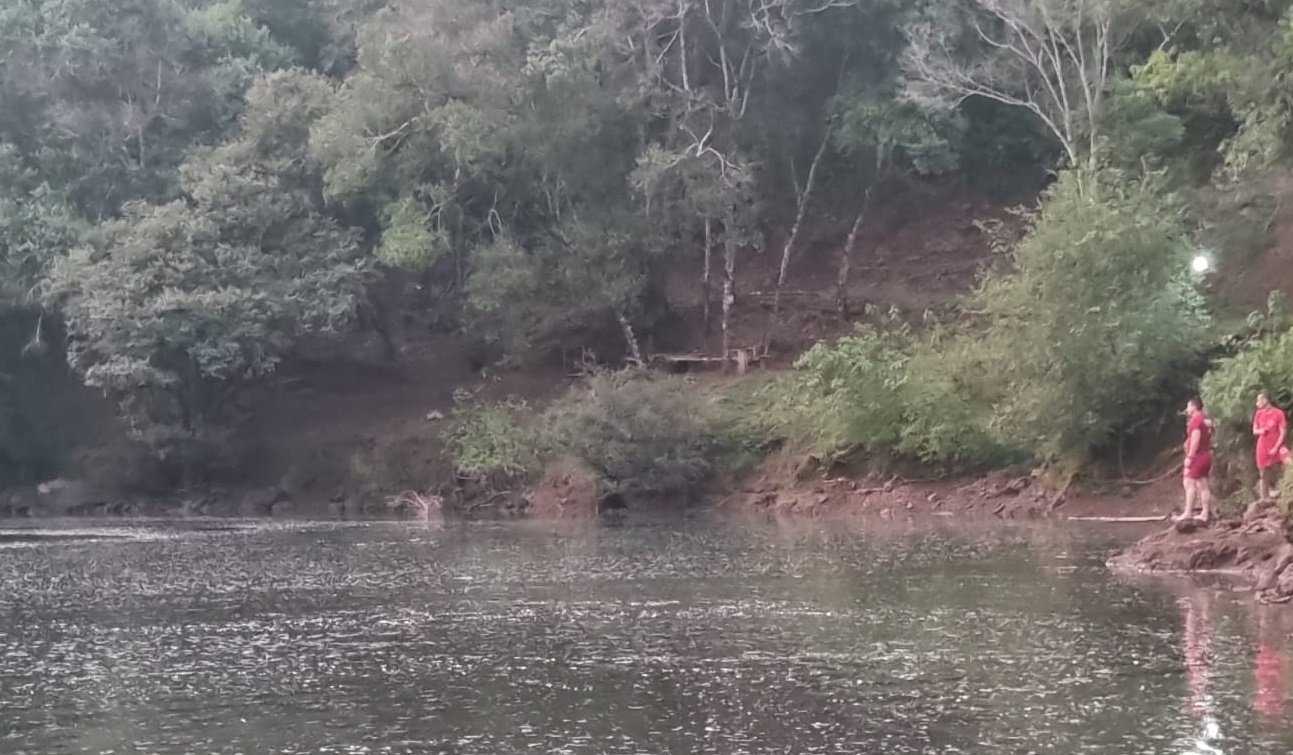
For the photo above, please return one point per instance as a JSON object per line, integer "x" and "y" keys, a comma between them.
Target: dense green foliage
{"x": 495, "y": 443}
{"x": 1075, "y": 344}
{"x": 191, "y": 186}
{"x": 1263, "y": 362}
{"x": 1099, "y": 313}
{"x": 890, "y": 396}
{"x": 639, "y": 434}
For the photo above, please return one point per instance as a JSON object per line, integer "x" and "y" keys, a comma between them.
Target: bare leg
{"x": 1189, "y": 500}
{"x": 1205, "y": 497}
{"x": 1263, "y": 485}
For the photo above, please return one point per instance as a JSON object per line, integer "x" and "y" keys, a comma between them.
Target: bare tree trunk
{"x": 846, "y": 258}
{"x": 805, "y": 195}
{"x": 705, "y": 292}
{"x": 684, "y": 63}
{"x": 729, "y": 292}
{"x": 375, "y": 313}
{"x": 631, "y": 339}
{"x": 1061, "y": 59}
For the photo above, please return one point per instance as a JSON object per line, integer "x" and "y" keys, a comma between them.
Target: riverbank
{"x": 567, "y": 491}
{"x": 1257, "y": 547}
{"x": 1000, "y": 496}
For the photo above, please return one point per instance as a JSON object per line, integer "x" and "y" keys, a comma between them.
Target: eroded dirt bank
{"x": 1257, "y": 546}
{"x": 1001, "y": 496}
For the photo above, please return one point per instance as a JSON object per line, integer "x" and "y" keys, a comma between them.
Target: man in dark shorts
{"x": 1269, "y": 427}
{"x": 1198, "y": 461}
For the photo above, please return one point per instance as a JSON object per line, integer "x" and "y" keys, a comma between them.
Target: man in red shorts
{"x": 1198, "y": 461}
{"x": 1269, "y": 426}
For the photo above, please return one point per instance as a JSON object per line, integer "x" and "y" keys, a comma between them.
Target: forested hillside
{"x": 200, "y": 196}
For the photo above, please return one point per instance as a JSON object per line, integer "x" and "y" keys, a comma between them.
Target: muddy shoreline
{"x": 565, "y": 491}
{"x": 1255, "y": 548}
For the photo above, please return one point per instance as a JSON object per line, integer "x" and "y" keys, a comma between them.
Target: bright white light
{"x": 1201, "y": 264}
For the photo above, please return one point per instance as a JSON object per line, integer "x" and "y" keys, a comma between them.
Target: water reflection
{"x": 1259, "y": 636}
{"x": 1269, "y": 667}
{"x": 1197, "y": 612}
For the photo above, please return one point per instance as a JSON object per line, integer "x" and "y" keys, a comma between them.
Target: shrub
{"x": 891, "y": 396}
{"x": 946, "y": 422}
{"x": 849, "y": 394}
{"x": 749, "y": 420}
{"x": 1099, "y": 313}
{"x": 641, "y": 434}
{"x": 496, "y": 442}
{"x": 1230, "y": 388}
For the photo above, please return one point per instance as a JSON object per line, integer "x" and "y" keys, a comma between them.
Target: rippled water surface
{"x": 690, "y": 636}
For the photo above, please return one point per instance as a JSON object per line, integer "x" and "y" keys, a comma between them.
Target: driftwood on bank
{"x": 1119, "y": 519}
{"x": 742, "y": 358}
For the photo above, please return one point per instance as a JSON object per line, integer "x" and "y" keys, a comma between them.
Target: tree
{"x": 100, "y": 104}
{"x": 895, "y": 139}
{"x": 1053, "y": 58}
{"x": 704, "y": 62}
{"x": 175, "y": 308}
{"x": 1097, "y": 320}
{"x": 495, "y": 144}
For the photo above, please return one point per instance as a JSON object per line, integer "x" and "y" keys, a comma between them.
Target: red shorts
{"x": 1198, "y": 467}
{"x": 1267, "y": 458}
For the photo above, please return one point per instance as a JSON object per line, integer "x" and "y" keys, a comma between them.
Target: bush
{"x": 641, "y": 434}
{"x": 749, "y": 420}
{"x": 891, "y": 397}
{"x": 496, "y": 442}
{"x": 849, "y": 393}
{"x": 946, "y": 423}
{"x": 1231, "y": 387}
{"x": 1095, "y": 327}
{"x": 1097, "y": 317}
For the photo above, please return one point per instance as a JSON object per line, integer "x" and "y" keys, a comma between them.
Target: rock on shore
{"x": 1258, "y": 545}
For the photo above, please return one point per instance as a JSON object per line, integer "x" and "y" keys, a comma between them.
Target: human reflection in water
{"x": 1270, "y": 695}
{"x": 1197, "y": 611}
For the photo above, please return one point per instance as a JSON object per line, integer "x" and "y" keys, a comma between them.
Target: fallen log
{"x": 677, "y": 363}
{"x": 1119, "y": 519}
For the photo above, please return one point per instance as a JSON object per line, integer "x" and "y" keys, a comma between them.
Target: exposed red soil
{"x": 1259, "y": 258}
{"x": 997, "y": 496}
{"x": 566, "y": 491}
{"x": 341, "y": 399}
{"x": 919, "y": 250}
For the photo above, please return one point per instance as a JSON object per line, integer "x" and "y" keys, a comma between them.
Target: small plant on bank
{"x": 848, "y": 395}
{"x": 642, "y": 434}
{"x": 749, "y": 419}
{"x": 499, "y": 442}
{"x": 947, "y": 423}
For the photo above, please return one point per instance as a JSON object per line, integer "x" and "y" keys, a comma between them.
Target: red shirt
{"x": 1272, "y": 421}
{"x": 1203, "y": 424}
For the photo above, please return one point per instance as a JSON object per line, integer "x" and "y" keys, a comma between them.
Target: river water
{"x": 683, "y": 636}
